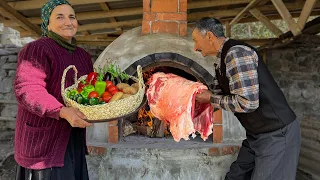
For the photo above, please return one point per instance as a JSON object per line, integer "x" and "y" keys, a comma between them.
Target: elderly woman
{"x": 50, "y": 138}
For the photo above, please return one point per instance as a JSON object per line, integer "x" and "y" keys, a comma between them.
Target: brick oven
{"x": 163, "y": 43}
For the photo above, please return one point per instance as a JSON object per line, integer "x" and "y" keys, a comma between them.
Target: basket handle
{"x": 140, "y": 76}
{"x": 63, "y": 80}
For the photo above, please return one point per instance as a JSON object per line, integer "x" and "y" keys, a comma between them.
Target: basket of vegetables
{"x": 104, "y": 95}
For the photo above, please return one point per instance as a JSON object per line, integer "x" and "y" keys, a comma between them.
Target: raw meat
{"x": 172, "y": 99}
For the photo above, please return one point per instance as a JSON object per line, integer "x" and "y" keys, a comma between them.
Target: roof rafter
{"x": 106, "y": 8}
{"x": 305, "y": 13}
{"x": 273, "y": 28}
{"x": 251, "y": 5}
{"x": 11, "y": 13}
{"x": 137, "y": 11}
{"x": 286, "y": 16}
{"x": 37, "y": 4}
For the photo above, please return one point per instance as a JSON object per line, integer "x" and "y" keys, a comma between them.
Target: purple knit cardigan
{"x": 41, "y": 137}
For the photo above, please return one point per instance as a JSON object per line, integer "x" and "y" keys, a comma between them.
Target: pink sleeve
{"x": 30, "y": 85}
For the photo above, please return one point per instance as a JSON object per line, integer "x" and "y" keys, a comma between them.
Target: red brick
{"x": 113, "y": 123}
{"x": 172, "y": 16}
{"x": 217, "y": 117}
{"x": 183, "y": 29}
{"x": 227, "y": 150}
{"x": 113, "y": 135}
{"x": 164, "y": 6}
{"x": 146, "y": 27}
{"x": 183, "y": 6}
{"x": 214, "y": 152}
{"x": 146, "y": 6}
{"x": 149, "y": 16}
{"x": 217, "y": 133}
{"x": 165, "y": 27}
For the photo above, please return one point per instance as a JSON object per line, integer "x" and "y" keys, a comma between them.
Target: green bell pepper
{"x": 100, "y": 85}
{"x": 87, "y": 90}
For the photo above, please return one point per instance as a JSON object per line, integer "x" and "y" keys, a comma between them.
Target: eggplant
{"x": 107, "y": 76}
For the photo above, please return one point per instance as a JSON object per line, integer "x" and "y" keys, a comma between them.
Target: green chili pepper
{"x": 100, "y": 85}
{"x": 93, "y": 101}
{"x": 85, "y": 101}
{"x": 86, "y": 90}
{"x": 75, "y": 97}
{"x": 102, "y": 102}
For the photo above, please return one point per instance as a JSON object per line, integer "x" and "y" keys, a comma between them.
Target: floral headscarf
{"x": 46, "y": 11}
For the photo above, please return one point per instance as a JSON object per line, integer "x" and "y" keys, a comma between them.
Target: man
{"x": 248, "y": 89}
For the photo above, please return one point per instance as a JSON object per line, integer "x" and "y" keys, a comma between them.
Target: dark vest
{"x": 273, "y": 112}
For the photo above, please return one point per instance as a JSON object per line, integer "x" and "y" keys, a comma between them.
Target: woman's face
{"x": 63, "y": 21}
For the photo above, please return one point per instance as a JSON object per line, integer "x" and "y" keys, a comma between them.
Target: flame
{"x": 144, "y": 115}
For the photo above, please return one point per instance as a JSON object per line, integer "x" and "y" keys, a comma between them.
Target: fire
{"x": 145, "y": 117}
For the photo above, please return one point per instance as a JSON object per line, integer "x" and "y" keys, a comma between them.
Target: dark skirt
{"x": 75, "y": 164}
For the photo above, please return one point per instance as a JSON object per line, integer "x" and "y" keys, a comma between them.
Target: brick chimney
{"x": 165, "y": 16}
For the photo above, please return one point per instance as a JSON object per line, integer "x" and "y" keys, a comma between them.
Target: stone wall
{"x": 296, "y": 68}
{"x": 8, "y": 64}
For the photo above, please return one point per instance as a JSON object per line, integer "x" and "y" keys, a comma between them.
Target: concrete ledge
{"x": 154, "y": 164}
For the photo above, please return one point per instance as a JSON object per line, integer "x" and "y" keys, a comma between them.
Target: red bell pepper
{"x": 92, "y": 78}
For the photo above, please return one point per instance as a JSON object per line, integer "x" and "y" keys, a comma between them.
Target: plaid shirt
{"x": 241, "y": 69}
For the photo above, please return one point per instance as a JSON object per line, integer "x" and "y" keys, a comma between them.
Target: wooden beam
{"x": 311, "y": 27}
{"x": 224, "y": 13}
{"x": 89, "y": 15}
{"x": 97, "y": 37}
{"x": 37, "y": 4}
{"x": 137, "y": 11}
{"x": 26, "y": 34}
{"x": 273, "y": 28}
{"x": 251, "y": 5}
{"x": 98, "y": 26}
{"x": 257, "y": 42}
{"x": 286, "y": 16}
{"x": 228, "y": 29}
{"x": 305, "y": 13}
{"x": 20, "y": 19}
{"x": 106, "y": 8}
{"x": 270, "y": 17}
{"x": 205, "y": 4}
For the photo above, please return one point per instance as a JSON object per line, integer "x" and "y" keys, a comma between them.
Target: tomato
{"x": 106, "y": 98}
{"x": 93, "y": 94}
{"x": 106, "y": 94}
{"x": 114, "y": 92}
{"x": 109, "y": 83}
{"x": 112, "y": 88}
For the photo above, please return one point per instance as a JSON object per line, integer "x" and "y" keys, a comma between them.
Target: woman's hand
{"x": 74, "y": 117}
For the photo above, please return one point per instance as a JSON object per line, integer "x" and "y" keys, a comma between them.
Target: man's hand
{"x": 204, "y": 96}
{"x": 74, "y": 117}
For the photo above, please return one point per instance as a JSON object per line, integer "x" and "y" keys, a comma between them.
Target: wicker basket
{"x": 110, "y": 110}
